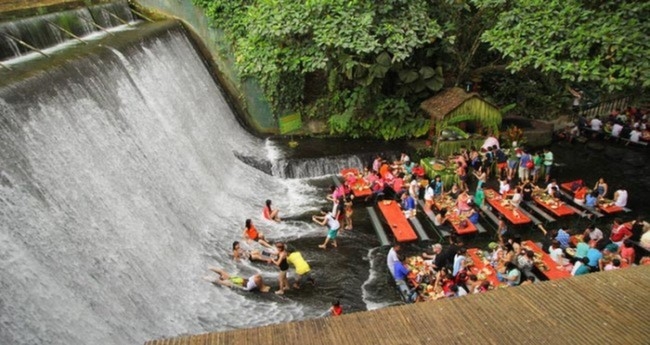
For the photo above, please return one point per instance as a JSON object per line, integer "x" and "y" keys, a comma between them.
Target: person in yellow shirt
{"x": 303, "y": 271}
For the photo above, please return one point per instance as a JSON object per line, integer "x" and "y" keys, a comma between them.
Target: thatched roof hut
{"x": 455, "y": 105}
{"x": 461, "y": 111}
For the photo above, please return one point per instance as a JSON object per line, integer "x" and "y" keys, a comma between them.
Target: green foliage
{"x": 375, "y": 46}
{"x": 580, "y": 40}
{"x": 365, "y": 65}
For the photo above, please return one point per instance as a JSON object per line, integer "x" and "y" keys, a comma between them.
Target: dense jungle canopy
{"x": 364, "y": 66}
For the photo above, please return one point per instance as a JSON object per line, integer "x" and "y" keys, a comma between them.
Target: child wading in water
{"x": 334, "y": 310}
{"x": 326, "y": 218}
{"x": 348, "y": 213}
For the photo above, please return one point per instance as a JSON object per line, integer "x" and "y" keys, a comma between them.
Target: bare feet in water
{"x": 322, "y": 246}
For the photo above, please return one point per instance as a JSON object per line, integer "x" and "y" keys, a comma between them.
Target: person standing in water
{"x": 270, "y": 213}
{"x": 348, "y": 212}
{"x": 326, "y": 218}
{"x": 303, "y": 270}
{"x": 283, "y": 265}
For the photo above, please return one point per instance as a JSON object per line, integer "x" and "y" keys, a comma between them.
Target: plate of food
{"x": 438, "y": 167}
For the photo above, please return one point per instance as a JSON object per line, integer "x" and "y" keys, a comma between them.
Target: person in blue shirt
{"x": 408, "y": 205}
{"x": 438, "y": 187}
{"x": 594, "y": 255}
{"x": 563, "y": 237}
{"x": 400, "y": 274}
{"x": 591, "y": 200}
{"x": 473, "y": 216}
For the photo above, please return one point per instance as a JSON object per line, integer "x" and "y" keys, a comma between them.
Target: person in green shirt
{"x": 548, "y": 163}
{"x": 538, "y": 160}
{"x": 584, "y": 268}
{"x": 479, "y": 196}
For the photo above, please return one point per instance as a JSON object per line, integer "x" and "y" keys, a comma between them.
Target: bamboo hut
{"x": 465, "y": 115}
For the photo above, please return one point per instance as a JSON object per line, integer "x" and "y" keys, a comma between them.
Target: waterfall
{"x": 119, "y": 185}
{"x": 47, "y": 30}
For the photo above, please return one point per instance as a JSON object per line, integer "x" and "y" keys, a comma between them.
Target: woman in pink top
{"x": 627, "y": 252}
{"x": 463, "y": 202}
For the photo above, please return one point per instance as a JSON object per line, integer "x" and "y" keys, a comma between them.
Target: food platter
{"x": 438, "y": 167}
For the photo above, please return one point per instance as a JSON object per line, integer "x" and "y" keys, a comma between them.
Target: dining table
{"x": 481, "y": 266}
{"x": 505, "y": 208}
{"x": 550, "y": 269}
{"x": 458, "y": 220}
{"x": 552, "y": 205}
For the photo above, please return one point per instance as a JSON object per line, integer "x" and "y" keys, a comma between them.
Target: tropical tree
{"x": 602, "y": 42}
{"x": 363, "y": 65}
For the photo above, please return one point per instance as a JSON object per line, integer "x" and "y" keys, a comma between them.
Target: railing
{"x": 605, "y": 107}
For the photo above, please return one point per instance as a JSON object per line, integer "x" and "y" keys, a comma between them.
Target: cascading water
{"x": 119, "y": 185}
{"x": 49, "y": 30}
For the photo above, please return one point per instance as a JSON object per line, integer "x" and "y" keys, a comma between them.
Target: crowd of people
{"x": 629, "y": 124}
{"x": 255, "y": 247}
{"x": 444, "y": 273}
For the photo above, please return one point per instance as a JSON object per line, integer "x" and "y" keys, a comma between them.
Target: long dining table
{"x": 510, "y": 212}
{"x": 545, "y": 264}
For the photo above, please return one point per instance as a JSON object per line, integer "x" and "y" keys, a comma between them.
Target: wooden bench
{"x": 532, "y": 206}
{"x": 581, "y": 213}
{"x": 441, "y": 232}
{"x": 535, "y": 220}
{"x": 628, "y": 141}
{"x": 481, "y": 228}
{"x": 379, "y": 228}
{"x": 419, "y": 229}
{"x": 490, "y": 215}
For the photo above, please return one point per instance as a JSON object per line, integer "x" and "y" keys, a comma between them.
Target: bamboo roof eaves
{"x": 600, "y": 308}
{"x": 445, "y": 102}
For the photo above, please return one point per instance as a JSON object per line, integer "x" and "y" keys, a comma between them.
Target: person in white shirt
{"x": 404, "y": 158}
{"x": 327, "y": 219}
{"x": 392, "y": 258}
{"x": 616, "y": 129}
{"x": 596, "y": 124}
{"x": 504, "y": 186}
{"x": 414, "y": 188}
{"x": 594, "y": 233}
{"x": 620, "y": 197}
{"x": 635, "y": 135}
{"x": 555, "y": 252}
{"x": 551, "y": 188}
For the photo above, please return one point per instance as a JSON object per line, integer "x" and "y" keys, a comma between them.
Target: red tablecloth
{"x": 397, "y": 221}
{"x": 481, "y": 267}
{"x": 494, "y": 199}
{"x": 558, "y": 208}
{"x": 551, "y": 270}
{"x": 454, "y": 219}
{"x": 360, "y": 187}
{"x": 567, "y": 185}
{"x": 609, "y": 209}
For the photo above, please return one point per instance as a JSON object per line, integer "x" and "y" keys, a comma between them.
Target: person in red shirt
{"x": 627, "y": 252}
{"x": 336, "y": 309}
{"x": 620, "y": 232}
{"x": 251, "y": 234}
{"x": 418, "y": 170}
